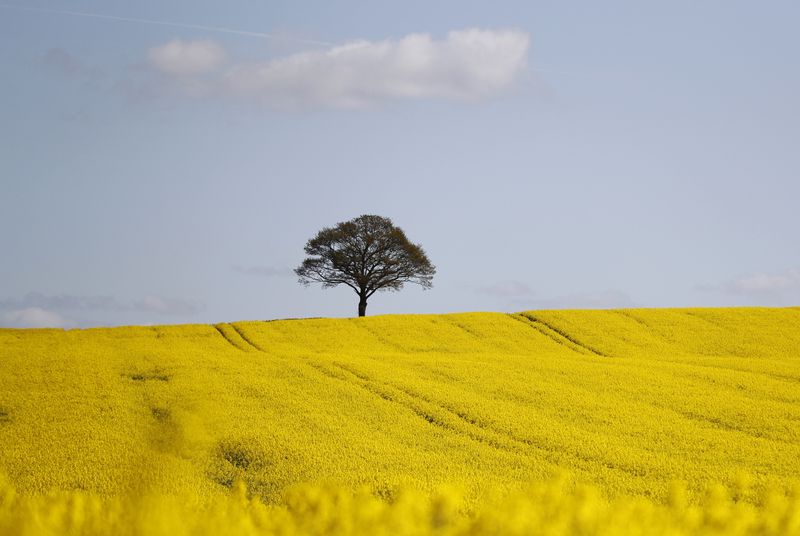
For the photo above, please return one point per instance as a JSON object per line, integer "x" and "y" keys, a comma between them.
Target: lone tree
{"x": 368, "y": 254}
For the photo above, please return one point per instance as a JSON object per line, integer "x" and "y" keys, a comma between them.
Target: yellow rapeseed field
{"x": 672, "y": 421}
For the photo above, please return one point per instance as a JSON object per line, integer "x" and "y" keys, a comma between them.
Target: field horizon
{"x": 491, "y": 312}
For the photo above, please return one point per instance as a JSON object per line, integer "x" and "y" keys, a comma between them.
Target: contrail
{"x": 167, "y": 23}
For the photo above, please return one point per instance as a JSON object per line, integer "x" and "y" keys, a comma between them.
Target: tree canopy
{"x": 368, "y": 254}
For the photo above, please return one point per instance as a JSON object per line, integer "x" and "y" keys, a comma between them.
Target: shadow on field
{"x": 153, "y": 375}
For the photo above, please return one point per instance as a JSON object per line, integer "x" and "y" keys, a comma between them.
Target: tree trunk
{"x": 362, "y": 306}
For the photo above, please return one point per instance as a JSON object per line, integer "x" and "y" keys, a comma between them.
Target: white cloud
{"x": 32, "y": 317}
{"x": 182, "y": 58}
{"x": 763, "y": 283}
{"x": 466, "y": 65}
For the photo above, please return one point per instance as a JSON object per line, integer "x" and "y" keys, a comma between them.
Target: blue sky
{"x": 545, "y": 154}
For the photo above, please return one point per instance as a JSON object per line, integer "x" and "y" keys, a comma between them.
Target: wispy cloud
{"x": 466, "y": 65}
{"x": 33, "y": 317}
{"x": 608, "y": 299}
{"x": 62, "y": 61}
{"x": 65, "y": 63}
{"x": 167, "y": 306}
{"x": 506, "y": 289}
{"x": 154, "y": 22}
{"x": 180, "y": 58}
{"x": 760, "y": 287}
{"x": 63, "y": 302}
{"x": 759, "y": 283}
{"x": 108, "y": 304}
{"x": 264, "y": 271}
{"x": 519, "y": 295}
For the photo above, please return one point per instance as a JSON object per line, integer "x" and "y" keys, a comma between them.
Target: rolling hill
{"x": 627, "y": 401}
